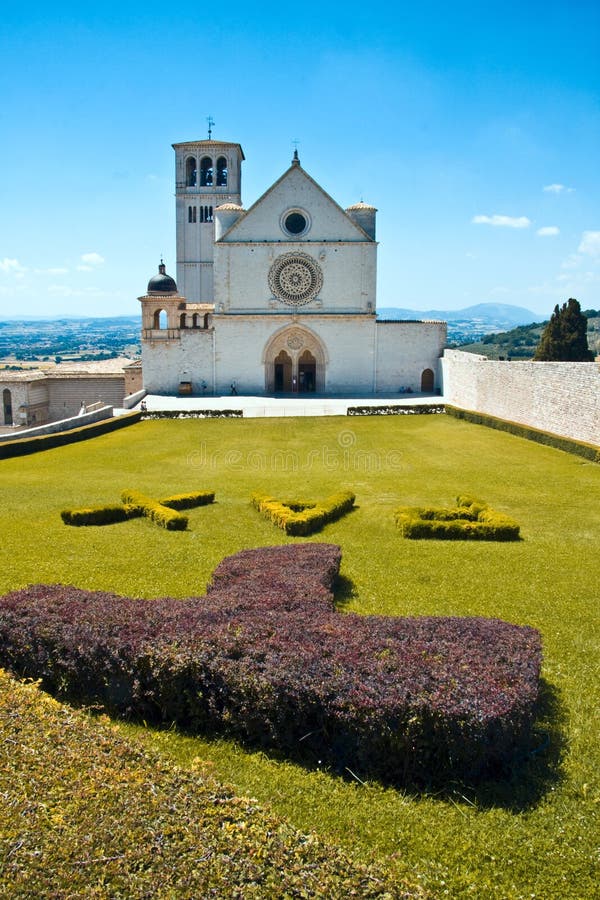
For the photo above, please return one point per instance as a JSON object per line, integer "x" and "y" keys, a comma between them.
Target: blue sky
{"x": 473, "y": 127}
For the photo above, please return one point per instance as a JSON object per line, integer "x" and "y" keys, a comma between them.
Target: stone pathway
{"x": 285, "y": 404}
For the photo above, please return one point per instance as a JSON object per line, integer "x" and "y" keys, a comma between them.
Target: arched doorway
{"x": 427, "y": 381}
{"x": 283, "y": 372}
{"x": 295, "y": 360}
{"x": 7, "y": 404}
{"x": 307, "y": 373}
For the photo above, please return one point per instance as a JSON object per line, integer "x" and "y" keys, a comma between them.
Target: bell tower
{"x": 207, "y": 174}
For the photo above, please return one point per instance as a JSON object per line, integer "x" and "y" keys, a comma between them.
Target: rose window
{"x": 295, "y": 279}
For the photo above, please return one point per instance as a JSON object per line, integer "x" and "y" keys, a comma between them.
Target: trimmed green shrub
{"x": 470, "y": 519}
{"x": 88, "y": 814}
{"x": 140, "y": 506}
{"x": 24, "y": 446}
{"x": 302, "y": 517}
{"x": 569, "y": 445}
{"x": 155, "y": 511}
{"x": 99, "y": 515}
{"x": 421, "y": 409}
{"x": 189, "y": 501}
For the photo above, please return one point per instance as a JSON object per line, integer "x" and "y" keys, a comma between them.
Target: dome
{"x": 361, "y": 206}
{"x": 230, "y": 207}
{"x": 162, "y": 283}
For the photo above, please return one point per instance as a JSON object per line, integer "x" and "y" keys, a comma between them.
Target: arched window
{"x": 206, "y": 172}
{"x": 189, "y": 213}
{"x": 191, "y": 171}
{"x": 7, "y": 403}
{"x": 195, "y": 320}
{"x": 182, "y": 322}
{"x": 221, "y": 172}
{"x": 160, "y": 319}
{"x": 194, "y": 214}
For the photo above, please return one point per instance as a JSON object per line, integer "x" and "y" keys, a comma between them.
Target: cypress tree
{"x": 564, "y": 338}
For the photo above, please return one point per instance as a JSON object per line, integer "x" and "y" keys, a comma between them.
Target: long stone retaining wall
{"x": 560, "y": 397}
{"x": 97, "y": 415}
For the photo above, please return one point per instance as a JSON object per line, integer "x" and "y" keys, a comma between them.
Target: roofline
{"x": 296, "y": 166}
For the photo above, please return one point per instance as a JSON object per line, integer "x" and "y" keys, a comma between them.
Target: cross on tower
{"x": 211, "y": 122}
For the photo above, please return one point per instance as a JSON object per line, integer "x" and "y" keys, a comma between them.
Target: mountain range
{"x": 499, "y": 315}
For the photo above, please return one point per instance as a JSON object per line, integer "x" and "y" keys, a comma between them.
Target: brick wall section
{"x": 560, "y": 397}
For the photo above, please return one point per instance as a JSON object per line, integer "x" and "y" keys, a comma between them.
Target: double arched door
{"x": 295, "y": 362}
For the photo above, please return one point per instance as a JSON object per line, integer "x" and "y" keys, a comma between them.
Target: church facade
{"x": 276, "y": 298}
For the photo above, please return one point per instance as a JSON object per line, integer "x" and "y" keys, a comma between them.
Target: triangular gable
{"x": 295, "y": 189}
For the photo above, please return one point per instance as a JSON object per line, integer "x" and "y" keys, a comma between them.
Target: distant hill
{"x": 521, "y": 342}
{"x": 504, "y": 315}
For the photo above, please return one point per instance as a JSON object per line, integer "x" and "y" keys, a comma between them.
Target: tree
{"x": 564, "y": 338}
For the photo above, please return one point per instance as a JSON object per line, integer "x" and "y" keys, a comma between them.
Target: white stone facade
{"x": 560, "y": 397}
{"x": 279, "y": 298}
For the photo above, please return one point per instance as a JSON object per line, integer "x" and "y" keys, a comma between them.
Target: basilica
{"x": 276, "y": 298}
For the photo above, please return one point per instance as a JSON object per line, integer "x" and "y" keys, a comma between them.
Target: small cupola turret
{"x": 162, "y": 283}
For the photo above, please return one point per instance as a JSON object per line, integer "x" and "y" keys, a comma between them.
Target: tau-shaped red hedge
{"x": 265, "y": 657}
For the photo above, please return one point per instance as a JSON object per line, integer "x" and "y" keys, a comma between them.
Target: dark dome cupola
{"x": 162, "y": 283}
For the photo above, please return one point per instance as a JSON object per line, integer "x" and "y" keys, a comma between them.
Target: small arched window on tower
{"x": 206, "y": 172}
{"x": 191, "y": 171}
{"x": 221, "y": 172}
{"x": 160, "y": 319}
{"x": 189, "y": 213}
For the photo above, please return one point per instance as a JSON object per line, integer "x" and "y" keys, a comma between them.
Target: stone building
{"x": 277, "y": 298}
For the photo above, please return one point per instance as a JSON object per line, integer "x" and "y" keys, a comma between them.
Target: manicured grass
{"x": 534, "y": 836}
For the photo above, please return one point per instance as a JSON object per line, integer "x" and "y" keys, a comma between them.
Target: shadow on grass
{"x": 537, "y": 766}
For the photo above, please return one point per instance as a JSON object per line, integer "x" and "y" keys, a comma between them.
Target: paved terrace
{"x": 286, "y": 404}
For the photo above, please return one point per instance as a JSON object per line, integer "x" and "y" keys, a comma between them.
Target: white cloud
{"x": 12, "y": 267}
{"x": 548, "y": 231}
{"x": 502, "y": 221}
{"x": 558, "y": 189}
{"x": 84, "y": 268}
{"x": 91, "y": 259}
{"x": 55, "y": 271}
{"x": 590, "y": 243}
{"x": 571, "y": 262}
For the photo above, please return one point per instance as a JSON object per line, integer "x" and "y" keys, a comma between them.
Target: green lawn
{"x": 535, "y": 836}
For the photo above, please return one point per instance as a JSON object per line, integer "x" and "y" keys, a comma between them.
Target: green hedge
{"x": 99, "y": 515}
{"x": 86, "y": 813}
{"x": 421, "y": 409}
{"x": 189, "y": 501}
{"x": 140, "y": 506}
{"x": 23, "y": 446}
{"x": 470, "y": 519}
{"x": 155, "y": 511}
{"x": 569, "y": 445}
{"x": 302, "y": 517}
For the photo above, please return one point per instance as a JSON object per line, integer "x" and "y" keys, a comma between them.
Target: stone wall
{"x": 67, "y": 392}
{"x": 560, "y": 397}
{"x": 89, "y": 418}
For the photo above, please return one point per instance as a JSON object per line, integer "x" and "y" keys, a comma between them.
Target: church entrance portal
{"x": 295, "y": 362}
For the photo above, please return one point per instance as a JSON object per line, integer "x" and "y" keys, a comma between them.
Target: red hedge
{"x": 265, "y": 657}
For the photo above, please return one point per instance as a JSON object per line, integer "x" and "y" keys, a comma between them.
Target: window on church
{"x": 194, "y": 214}
{"x": 191, "y": 171}
{"x": 221, "y": 172}
{"x": 189, "y": 213}
{"x": 206, "y": 172}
